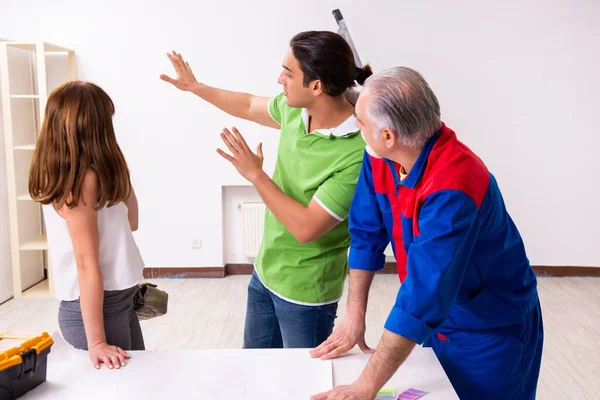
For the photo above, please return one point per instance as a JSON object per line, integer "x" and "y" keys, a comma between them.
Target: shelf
{"x": 22, "y": 45}
{"x": 25, "y": 147}
{"x": 24, "y": 96}
{"x": 23, "y": 115}
{"x": 53, "y": 48}
{"x": 40, "y": 243}
{"x": 39, "y": 291}
{"x": 48, "y": 47}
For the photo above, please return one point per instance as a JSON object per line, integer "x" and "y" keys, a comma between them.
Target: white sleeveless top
{"x": 119, "y": 257}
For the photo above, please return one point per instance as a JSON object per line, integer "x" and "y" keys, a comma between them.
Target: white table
{"x": 283, "y": 374}
{"x": 421, "y": 370}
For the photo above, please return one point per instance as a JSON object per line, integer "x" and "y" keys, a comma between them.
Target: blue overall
{"x": 468, "y": 289}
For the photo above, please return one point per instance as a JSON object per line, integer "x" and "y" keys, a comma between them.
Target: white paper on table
{"x": 288, "y": 374}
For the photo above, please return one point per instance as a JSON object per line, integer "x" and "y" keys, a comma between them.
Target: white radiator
{"x": 253, "y": 218}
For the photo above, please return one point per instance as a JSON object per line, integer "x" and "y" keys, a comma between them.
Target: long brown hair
{"x": 78, "y": 135}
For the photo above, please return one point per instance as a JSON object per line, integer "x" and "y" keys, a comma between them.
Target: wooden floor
{"x": 209, "y": 313}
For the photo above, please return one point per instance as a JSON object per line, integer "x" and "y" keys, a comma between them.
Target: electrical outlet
{"x": 196, "y": 244}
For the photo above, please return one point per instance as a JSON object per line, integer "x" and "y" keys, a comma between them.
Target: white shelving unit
{"x": 28, "y": 72}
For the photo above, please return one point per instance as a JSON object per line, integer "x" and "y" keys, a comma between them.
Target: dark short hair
{"x": 326, "y": 56}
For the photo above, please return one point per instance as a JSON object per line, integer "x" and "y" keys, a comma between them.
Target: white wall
{"x": 517, "y": 80}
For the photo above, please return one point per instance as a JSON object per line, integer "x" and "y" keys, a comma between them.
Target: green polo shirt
{"x": 323, "y": 165}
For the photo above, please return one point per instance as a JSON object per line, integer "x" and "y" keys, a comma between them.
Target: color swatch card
{"x": 412, "y": 394}
{"x": 386, "y": 394}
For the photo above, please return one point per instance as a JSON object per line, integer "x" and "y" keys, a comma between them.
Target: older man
{"x": 468, "y": 289}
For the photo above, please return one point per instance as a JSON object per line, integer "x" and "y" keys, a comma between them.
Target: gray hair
{"x": 404, "y": 103}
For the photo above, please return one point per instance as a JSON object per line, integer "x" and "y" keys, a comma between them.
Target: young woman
{"x": 80, "y": 176}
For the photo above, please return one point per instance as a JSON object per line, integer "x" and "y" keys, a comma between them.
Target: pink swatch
{"x": 411, "y": 394}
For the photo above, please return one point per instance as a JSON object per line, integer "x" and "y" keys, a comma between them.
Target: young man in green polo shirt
{"x": 302, "y": 263}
